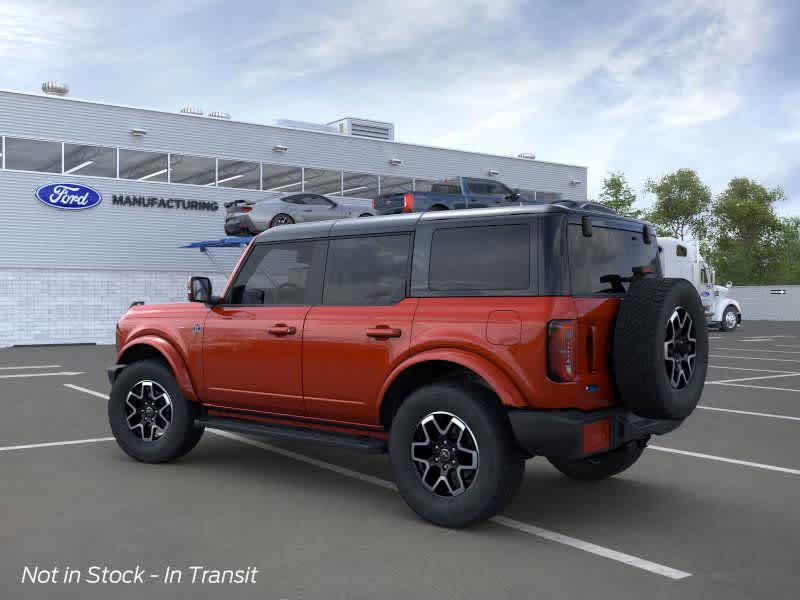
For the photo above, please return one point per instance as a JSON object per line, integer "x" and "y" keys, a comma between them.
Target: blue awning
{"x": 226, "y": 242}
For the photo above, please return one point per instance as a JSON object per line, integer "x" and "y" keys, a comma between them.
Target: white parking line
{"x": 86, "y": 391}
{"x": 566, "y": 540}
{"x": 553, "y": 536}
{"x": 758, "y": 387}
{"x": 31, "y": 367}
{"x": 754, "y": 378}
{"x": 792, "y": 360}
{"x": 21, "y": 375}
{"x": 732, "y": 461}
{"x": 747, "y": 369}
{"x": 51, "y": 444}
{"x": 759, "y": 350}
{"x": 748, "y": 412}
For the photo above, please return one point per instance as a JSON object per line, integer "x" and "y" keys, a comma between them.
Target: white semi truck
{"x": 682, "y": 259}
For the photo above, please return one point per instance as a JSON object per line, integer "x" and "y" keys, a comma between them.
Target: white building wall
{"x": 759, "y": 303}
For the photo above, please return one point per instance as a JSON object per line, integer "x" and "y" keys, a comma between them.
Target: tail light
{"x": 561, "y": 350}
{"x": 408, "y": 202}
{"x": 246, "y": 209}
{"x": 374, "y": 203}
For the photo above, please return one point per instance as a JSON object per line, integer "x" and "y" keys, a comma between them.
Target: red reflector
{"x": 596, "y": 436}
{"x": 561, "y": 350}
{"x": 408, "y": 202}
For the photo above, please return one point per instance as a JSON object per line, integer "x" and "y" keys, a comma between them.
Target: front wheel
{"x": 729, "y": 319}
{"x": 600, "y": 466}
{"x": 149, "y": 417}
{"x": 453, "y": 455}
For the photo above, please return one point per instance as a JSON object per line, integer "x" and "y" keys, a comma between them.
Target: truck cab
{"x": 682, "y": 259}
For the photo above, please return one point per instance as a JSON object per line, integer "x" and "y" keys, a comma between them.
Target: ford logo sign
{"x": 68, "y": 196}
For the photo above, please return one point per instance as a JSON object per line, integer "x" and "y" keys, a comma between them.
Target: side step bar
{"x": 303, "y": 434}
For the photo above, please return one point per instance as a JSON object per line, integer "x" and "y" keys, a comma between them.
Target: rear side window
{"x": 488, "y": 258}
{"x": 282, "y": 273}
{"x": 367, "y": 270}
{"x": 602, "y": 263}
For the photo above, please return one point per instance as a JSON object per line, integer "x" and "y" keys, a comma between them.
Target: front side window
{"x": 279, "y": 274}
{"x": 680, "y": 251}
{"x": 485, "y": 258}
{"x": 604, "y": 263}
{"x": 317, "y": 200}
{"x": 33, "y": 155}
{"x": 367, "y": 271}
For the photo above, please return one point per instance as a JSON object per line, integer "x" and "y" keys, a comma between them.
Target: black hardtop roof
{"x": 408, "y": 222}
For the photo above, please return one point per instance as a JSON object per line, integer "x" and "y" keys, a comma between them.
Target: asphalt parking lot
{"x": 711, "y": 510}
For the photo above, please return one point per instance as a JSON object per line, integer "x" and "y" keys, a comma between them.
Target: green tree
{"x": 681, "y": 206}
{"x": 750, "y": 244}
{"x": 618, "y": 195}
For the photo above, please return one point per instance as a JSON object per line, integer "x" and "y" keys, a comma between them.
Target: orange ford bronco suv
{"x": 461, "y": 342}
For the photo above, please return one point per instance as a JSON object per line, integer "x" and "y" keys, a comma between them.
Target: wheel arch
{"x": 152, "y": 347}
{"x": 437, "y": 365}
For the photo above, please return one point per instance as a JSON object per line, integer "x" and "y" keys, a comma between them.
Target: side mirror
{"x": 729, "y": 285}
{"x": 199, "y": 290}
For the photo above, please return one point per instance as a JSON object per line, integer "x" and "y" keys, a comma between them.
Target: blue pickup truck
{"x": 449, "y": 194}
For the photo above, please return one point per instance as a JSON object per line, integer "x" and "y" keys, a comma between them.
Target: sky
{"x": 639, "y": 87}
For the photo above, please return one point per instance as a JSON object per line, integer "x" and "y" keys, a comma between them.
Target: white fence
{"x": 768, "y": 302}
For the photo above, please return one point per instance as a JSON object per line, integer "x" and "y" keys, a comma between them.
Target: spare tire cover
{"x": 660, "y": 348}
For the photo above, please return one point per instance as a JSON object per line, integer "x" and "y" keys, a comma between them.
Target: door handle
{"x": 308, "y": 209}
{"x": 281, "y": 329}
{"x": 383, "y": 332}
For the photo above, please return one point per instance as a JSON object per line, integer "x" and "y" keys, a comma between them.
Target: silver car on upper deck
{"x": 250, "y": 217}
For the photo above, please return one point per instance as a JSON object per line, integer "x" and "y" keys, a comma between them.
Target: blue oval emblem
{"x": 68, "y": 196}
{"x": 705, "y": 294}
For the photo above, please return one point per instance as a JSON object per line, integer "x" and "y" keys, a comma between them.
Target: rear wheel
{"x": 600, "y": 466}
{"x": 281, "y": 219}
{"x": 729, "y": 319}
{"x": 453, "y": 454}
{"x": 149, "y": 417}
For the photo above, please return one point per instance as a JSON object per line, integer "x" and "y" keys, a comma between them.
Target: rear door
{"x": 253, "y": 340}
{"x": 362, "y": 328}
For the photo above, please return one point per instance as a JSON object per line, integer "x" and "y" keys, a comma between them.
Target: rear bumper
{"x": 576, "y": 434}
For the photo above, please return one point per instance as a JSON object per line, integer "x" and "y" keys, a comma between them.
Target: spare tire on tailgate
{"x": 660, "y": 348}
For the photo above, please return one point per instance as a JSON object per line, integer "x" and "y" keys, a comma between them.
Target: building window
{"x": 33, "y": 155}
{"x": 360, "y": 185}
{"x": 323, "y": 181}
{"x": 195, "y": 170}
{"x": 238, "y": 174}
{"x": 281, "y": 178}
{"x": 367, "y": 271}
{"x": 396, "y": 185}
{"x": 144, "y": 166}
{"x": 96, "y": 161}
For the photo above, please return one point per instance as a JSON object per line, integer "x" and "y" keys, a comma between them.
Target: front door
{"x": 362, "y": 329}
{"x": 252, "y": 344}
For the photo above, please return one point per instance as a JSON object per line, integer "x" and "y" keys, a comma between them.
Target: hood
{"x": 173, "y": 309}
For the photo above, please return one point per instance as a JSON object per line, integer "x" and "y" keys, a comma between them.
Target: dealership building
{"x": 161, "y": 180}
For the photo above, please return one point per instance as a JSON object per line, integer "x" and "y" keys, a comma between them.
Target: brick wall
{"x": 57, "y": 306}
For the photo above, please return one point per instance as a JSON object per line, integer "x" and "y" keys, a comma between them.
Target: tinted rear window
{"x": 600, "y": 262}
{"x": 488, "y": 258}
{"x": 368, "y": 270}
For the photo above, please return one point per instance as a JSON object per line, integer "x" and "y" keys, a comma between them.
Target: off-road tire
{"x": 181, "y": 435}
{"x": 723, "y": 326}
{"x": 600, "y": 466}
{"x": 641, "y": 368}
{"x": 500, "y": 462}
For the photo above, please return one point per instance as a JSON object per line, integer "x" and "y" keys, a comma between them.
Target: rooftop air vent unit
{"x": 375, "y": 130}
{"x": 192, "y": 110}
{"x": 527, "y": 155}
{"x": 219, "y": 115}
{"x": 54, "y": 88}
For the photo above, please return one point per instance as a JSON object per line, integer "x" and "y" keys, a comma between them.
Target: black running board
{"x": 302, "y": 434}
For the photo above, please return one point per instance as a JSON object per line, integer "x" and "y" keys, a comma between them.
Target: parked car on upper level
{"x": 251, "y": 217}
{"x": 449, "y": 194}
{"x": 463, "y": 342}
